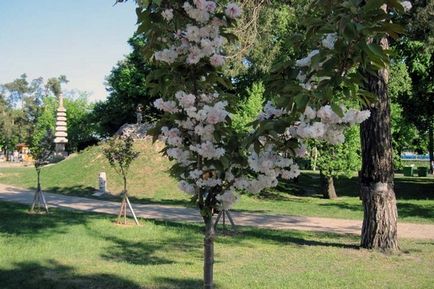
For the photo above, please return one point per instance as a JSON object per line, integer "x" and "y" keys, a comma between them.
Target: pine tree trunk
{"x": 379, "y": 229}
{"x": 329, "y": 191}
{"x": 208, "y": 267}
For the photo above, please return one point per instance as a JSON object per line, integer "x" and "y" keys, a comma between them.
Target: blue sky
{"x": 82, "y": 39}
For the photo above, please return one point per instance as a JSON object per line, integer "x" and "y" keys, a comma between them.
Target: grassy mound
{"x": 78, "y": 175}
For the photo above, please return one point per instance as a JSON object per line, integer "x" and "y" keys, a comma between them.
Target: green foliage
{"x": 81, "y": 131}
{"x": 23, "y": 102}
{"x": 128, "y": 89}
{"x": 54, "y": 84}
{"x": 417, "y": 51}
{"x": 249, "y": 110}
{"x": 405, "y": 136}
{"x": 336, "y": 75}
{"x": 42, "y": 148}
{"x": 340, "y": 160}
{"x": 120, "y": 153}
{"x": 261, "y": 35}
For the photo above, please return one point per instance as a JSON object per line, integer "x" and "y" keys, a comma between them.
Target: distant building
{"x": 24, "y": 152}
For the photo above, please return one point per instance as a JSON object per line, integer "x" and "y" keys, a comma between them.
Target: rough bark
{"x": 379, "y": 229}
{"x": 208, "y": 266}
{"x": 329, "y": 191}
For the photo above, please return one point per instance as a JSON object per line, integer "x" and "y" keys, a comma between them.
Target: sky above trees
{"x": 82, "y": 39}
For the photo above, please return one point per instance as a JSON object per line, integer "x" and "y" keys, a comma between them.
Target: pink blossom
{"x": 233, "y": 10}
{"x": 217, "y": 60}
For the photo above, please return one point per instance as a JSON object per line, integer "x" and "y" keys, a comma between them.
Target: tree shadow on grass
{"x": 405, "y": 210}
{"x": 130, "y": 249}
{"x": 414, "y": 188}
{"x": 280, "y": 237}
{"x": 16, "y": 220}
{"x": 87, "y": 191}
{"x": 413, "y": 210}
{"x": 138, "y": 253}
{"x": 52, "y": 275}
{"x": 78, "y": 190}
{"x": 300, "y": 238}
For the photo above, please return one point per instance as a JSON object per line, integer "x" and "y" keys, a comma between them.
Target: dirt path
{"x": 181, "y": 214}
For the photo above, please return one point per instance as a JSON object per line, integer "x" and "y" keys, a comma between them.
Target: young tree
{"x": 338, "y": 160}
{"x": 41, "y": 149}
{"x": 211, "y": 162}
{"x": 120, "y": 153}
{"x": 186, "y": 40}
{"x": 249, "y": 109}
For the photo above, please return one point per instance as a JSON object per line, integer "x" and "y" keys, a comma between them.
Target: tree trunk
{"x": 38, "y": 173}
{"x": 329, "y": 191}
{"x": 322, "y": 183}
{"x": 125, "y": 183}
{"x": 431, "y": 147}
{"x": 379, "y": 229}
{"x": 208, "y": 267}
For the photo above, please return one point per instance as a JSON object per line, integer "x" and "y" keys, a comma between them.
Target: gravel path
{"x": 181, "y": 214}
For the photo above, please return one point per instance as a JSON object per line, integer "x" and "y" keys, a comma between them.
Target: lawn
{"x": 151, "y": 183}
{"x": 69, "y": 249}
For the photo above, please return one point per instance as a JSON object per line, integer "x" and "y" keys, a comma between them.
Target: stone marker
{"x": 102, "y": 184}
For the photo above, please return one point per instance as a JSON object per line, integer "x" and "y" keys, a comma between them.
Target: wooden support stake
{"x": 39, "y": 202}
{"x": 224, "y": 214}
{"x": 123, "y": 210}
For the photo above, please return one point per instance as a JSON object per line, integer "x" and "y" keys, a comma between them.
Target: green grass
{"x": 415, "y": 199}
{"x": 151, "y": 183}
{"x": 78, "y": 175}
{"x": 69, "y": 249}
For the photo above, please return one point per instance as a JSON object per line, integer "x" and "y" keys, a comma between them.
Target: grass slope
{"x": 78, "y": 175}
{"x": 149, "y": 182}
{"x": 68, "y": 249}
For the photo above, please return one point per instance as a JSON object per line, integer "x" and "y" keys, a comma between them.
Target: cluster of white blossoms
{"x": 201, "y": 41}
{"x": 199, "y": 115}
{"x": 194, "y": 136}
{"x": 322, "y": 124}
{"x": 269, "y": 165}
{"x": 325, "y": 124}
{"x": 407, "y": 5}
{"x": 328, "y": 41}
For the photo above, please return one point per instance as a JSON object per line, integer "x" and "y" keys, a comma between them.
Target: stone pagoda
{"x": 61, "y": 135}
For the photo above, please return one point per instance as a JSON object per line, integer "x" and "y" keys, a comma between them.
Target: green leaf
{"x": 337, "y": 109}
{"x": 393, "y": 28}
{"x": 373, "y": 4}
{"x": 301, "y": 101}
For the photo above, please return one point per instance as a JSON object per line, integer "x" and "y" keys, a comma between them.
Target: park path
{"x": 181, "y": 214}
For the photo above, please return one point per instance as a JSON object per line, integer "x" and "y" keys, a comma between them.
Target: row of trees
{"x": 28, "y": 109}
